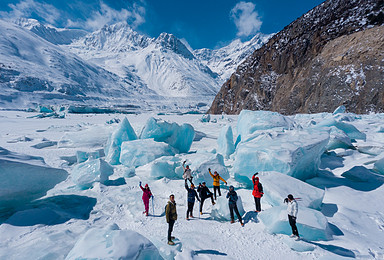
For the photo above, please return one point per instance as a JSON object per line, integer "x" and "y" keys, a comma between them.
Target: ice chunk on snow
{"x": 251, "y": 121}
{"x": 351, "y": 131}
{"x": 24, "y": 178}
{"x": 296, "y": 153}
{"x": 220, "y": 211}
{"x": 166, "y": 166}
{"x": 93, "y": 170}
{"x": 338, "y": 139}
{"x": 299, "y": 246}
{"x": 225, "y": 141}
{"x": 124, "y": 132}
{"x": 312, "y": 224}
{"x": 83, "y": 156}
{"x": 140, "y": 152}
{"x": 200, "y": 164}
{"x": 91, "y": 137}
{"x": 113, "y": 243}
{"x": 205, "y": 118}
{"x": 179, "y": 137}
{"x": 341, "y": 109}
{"x": 277, "y": 186}
{"x": 379, "y": 166}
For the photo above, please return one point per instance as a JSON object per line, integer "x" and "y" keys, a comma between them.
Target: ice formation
{"x": 140, "y": 152}
{"x": 312, "y": 224}
{"x": 225, "y": 141}
{"x": 200, "y": 162}
{"x": 339, "y": 110}
{"x": 124, "y": 132}
{"x": 24, "y": 178}
{"x": 82, "y": 156}
{"x": 166, "y": 166}
{"x": 93, "y": 170}
{"x": 379, "y": 166}
{"x": 179, "y": 137}
{"x": 296, "y": 153}
{"x": 277, "y": 186}
{"x": 113, "y": 243}
{"x": 205, "y": 118}
{"x": 338, "y": 139}
{"x": 220, "y": 211}
{"x": 351, "y": 131}
{"x": 251, "y": 121}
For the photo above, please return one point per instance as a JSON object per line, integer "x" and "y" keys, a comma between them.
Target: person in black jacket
{"x": 204, "y": 194}
{"x": 191, "y": 199}
{"x": 232, "y": 203}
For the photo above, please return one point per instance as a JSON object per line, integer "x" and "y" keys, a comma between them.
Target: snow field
{"x": 339, "y": 221}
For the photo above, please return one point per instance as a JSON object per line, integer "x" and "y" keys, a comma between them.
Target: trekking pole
{"x": 153, "y": 207}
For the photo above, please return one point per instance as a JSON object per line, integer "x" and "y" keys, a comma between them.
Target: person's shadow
{"x": 250, "y": 216}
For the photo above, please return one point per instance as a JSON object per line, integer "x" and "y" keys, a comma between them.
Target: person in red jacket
{"x": 146, "y": 196}
{"x": 257, "y": 191}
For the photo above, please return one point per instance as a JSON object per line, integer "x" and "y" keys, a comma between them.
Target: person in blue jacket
{"x": 232, "y": 202}
{"x": 191, "y": 199}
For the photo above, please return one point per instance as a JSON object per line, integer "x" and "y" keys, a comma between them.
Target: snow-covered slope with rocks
{"x": 225, "y": 60}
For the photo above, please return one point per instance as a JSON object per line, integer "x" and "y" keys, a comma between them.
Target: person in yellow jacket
{"x": 216, "y": 182}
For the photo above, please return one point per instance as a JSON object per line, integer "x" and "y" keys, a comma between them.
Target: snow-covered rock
{"x": 24, "y": 178}
{"x": 140, "y": 152}
{"x": 311, "y": 224}
{"x": 93, "y": 170}
{"x": 113, "y": 243}
{"x": 124, "y": 132}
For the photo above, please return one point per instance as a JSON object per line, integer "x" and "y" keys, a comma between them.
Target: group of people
{"x": 204, "y": 193}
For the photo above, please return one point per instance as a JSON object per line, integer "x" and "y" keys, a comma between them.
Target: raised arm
{"x": 222, "y": 179}
{"x": 210, "y": 173}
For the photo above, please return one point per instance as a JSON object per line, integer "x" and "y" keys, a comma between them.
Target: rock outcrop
{"x": 333, "y": 55}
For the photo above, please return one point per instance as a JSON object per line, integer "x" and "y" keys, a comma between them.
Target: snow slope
{"x": 53, "y": 227}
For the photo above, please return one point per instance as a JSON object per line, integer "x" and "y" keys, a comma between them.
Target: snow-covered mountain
{"x": 113, "y": 66}
{"x": 164, "y": 63}
{"x": 34, "y": 70}
{"x": 225, "y": 60}
{"x": 49, "y": 32}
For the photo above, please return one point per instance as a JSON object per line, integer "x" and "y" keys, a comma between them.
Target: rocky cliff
{"x": 332, "y": 55}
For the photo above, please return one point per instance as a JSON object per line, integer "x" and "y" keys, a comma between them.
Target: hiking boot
{"x": 187, "y": 218}
{"x": 297, "y": 238}
{"x": 192, "y": 216}
{"x": 232, "y": 221}
{"x": 201, "y": 213}
{"x": 146, "y": 213}
{"x": 242, "y": 224}
{"x": 171, "y": 243}
{"x": 292, "y": 235}
{"x": 213, "y": 203}
{"x": 172, "y": 237}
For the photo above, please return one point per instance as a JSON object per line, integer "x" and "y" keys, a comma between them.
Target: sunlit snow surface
{"x": 331, "y": 163}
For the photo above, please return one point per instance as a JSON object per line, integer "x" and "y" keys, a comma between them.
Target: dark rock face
{"x": 332, "y": 55}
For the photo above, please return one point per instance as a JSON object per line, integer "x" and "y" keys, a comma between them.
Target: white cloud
{"x": 107, "y": 15}
{"x": 246, "y": 19}
{"x": 25, "y": 9}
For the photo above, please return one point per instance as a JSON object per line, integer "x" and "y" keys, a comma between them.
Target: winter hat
{"x": 146, "y": 185}
{"x": 192, "y": 185}
{"x": 257, "y": 178}
{"x": 290, "y": 196}
{"x": 231, "y": 187}
{"x": 203, "y": 182}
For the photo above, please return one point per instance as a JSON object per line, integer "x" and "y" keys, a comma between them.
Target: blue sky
{"x": 202, "y": 23}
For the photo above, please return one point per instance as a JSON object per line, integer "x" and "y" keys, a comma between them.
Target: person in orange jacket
{"x": 257, "y": 191}
{"x": 216, "y": 182}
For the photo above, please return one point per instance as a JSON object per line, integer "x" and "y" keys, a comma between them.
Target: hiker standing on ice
{"x": 171, "y": 216}
{"x": 232, "y": 203}
{"x": 292, "y": 215}
{"x": 146, "y": 196}
{"x": 191, "y": 199}
{"x": 204, "y": 193}
{"x": 216, "y": 182}
{"x": 257, "y": 191}
{"x": 187, "y": 173}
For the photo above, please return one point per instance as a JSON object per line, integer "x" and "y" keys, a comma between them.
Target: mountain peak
{"x": 171, "y": 42}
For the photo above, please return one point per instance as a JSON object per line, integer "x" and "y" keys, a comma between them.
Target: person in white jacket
{"x": 187, "y": 173}
{"x": 292, "y": 215}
